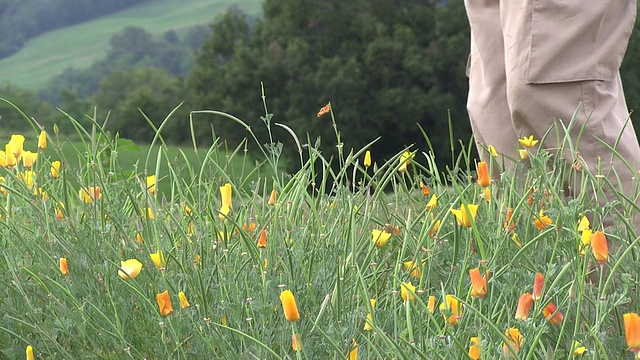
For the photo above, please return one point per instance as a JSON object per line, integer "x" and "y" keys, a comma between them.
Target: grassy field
{"x": 81, "y": 45}
{"x": 372, "y": 260}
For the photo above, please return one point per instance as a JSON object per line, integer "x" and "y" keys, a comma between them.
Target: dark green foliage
{"x": 153, "y": 91}
{"x": 385, "y": 66}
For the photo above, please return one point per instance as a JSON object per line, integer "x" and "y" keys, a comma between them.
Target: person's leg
{"x": 487, "y": 102}
{"x": 563, "y": 57}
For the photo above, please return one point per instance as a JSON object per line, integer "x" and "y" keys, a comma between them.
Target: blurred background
{"x": 386, "y": 66}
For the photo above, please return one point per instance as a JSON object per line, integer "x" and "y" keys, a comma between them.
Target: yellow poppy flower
{"x": 380, "y": 237}
{"x": 407, "y": 290}
{"x": 158, "y": 259}
{"x": 184, "y": 303}
{"x": 151, "y": 184}
{"x": 367, "y": 159}
{"x": 129, "y": 269}
{"x": 55, "y": 169}
{"x": 528, "y": 142}
{"x": 466, "y": 214}
{"x": 42, "y": 140}
{"x": 289, "y": 306}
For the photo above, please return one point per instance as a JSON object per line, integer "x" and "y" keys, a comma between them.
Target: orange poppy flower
{"x": 478, "y": 283}
{"x": 509, "y": 224}
{"x": 451, "y": 309}
{"x": 538, "y": 285}
{"x": 524, "y": 306}
{"x": 600, "y": 247}
{"x": 164, "y": 303}
{"x": 551, "y": 313}
{"x": 483, "y": 174}
{"x": 632, "y": 331}
{"x": 543, "y": 221}
{"x": 64, "y": 267}
{"x": 515, "y": 340}
{"x": 262, "y": 240}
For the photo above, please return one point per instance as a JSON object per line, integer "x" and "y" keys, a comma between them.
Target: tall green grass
{"x": 319, "y": 245}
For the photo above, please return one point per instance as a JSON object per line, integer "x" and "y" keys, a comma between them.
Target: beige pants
{"x": 536, "y": 62}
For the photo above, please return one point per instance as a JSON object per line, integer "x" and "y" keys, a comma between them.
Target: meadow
{"x": 79, "y": 46}
{"x": 218, "y": 253}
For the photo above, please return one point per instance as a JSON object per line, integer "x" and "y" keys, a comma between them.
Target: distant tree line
{"x": 386, "y": 66}
{"x": 22, "y": 20}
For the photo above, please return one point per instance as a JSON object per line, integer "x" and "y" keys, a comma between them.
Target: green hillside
{"x": 79, "y": 46}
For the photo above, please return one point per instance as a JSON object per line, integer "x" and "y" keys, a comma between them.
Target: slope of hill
{"x": 79, "y": 46}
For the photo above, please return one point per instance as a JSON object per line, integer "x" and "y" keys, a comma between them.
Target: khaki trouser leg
{"x": 555, "y": 59}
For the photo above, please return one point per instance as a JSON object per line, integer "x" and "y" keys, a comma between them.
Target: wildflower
{"x": 296, "y": 342}
{"x": 551, "y": 313}
{"x": 151, "y": 184}
{"x": 59, "y": 213}
{"x": 64, "y": 267}
{"x": 466, "y": 214}
{"x": 405, "y": 160}
{"x": 150, "y": 214}
{"x": 272, "y": 198}
{"x": 492, "y": 151}
{"x": 425, "y": 189}
{"x": 10, "y": 157}
{"x": 42, "y": 140}
{"x": 191, "y": 228}
{"x": 158, "y": 259}
{"x": 250, "y": 228}
{"x": 542, "y": 221}
{"x": 600, "y": 247}
{"x": 528, "y": 142}
{"x": 262, "y": 239}
{"x": 164, "y": 303}
{"x": 483, "y": 174}
{"x": 225, "y": 195}
{"x": 184, "y": 303}
{"x": 324, "y": 110}
{"x": 27, "y": 177}
{"x": 289, "y": 307}
{"x": 578, "y": 349}
{"x": 369, "y": 321}
{"x": 433, "y": 202}
{"x": 478, "y": 283}
{"x": 3, "y": 189}
{"x": 583, "y": 224}
{"x": 129, "y": 269}
{"x": 431, "y": 304}
{"x": 17, "y": 146}
{"x": 407, "y": 290}
{"x": 486, "y": 193}
{"x": 186, "y": 210}
{"x": 29, "y": 352}
{"x": 435, "y": 227}
{"x": 451, "y": 309}
{"x": 585, "y": 241}
{"x": 538, "y": 285}
{"x": 40, "y": 192}
{"x": 515, "y": 339}
{"x": 524, "y": 154}
{"x": 353, "y": 354}
{"x": 28, "y": 159}
{"x": 90, "y": 194}
{"x": 380, "y": 237}
{"x": 367, "y": 159}
{"x": 632, "y": 331}
{"x": 474, "y": 348}
{"x": 55, "y": 169}
{"x": 413, "y": 268}
{"x": 509, "y": 225}
{"x": 524, "y": 306}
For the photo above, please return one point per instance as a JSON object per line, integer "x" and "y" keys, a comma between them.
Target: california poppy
{"x": 466, "y": 214}
{"x": 164, "y": 303}
{"x": 451, "y": 309}
{"x": 289, "y": 306}
{"x": 551, "y": 313}
{"x": 524, "y": 306}
{"x": 600, "y": 247}
{"x": 632, "y": 331}
{"x": 407, "y": 290}
{"x": 64, "y": 267}
{"x": 483, "y": 174}
{"x": 538, "y": 285}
